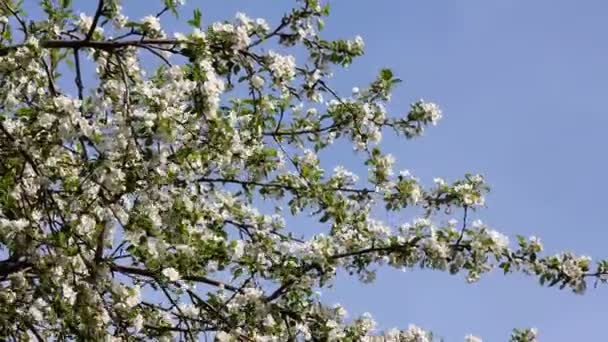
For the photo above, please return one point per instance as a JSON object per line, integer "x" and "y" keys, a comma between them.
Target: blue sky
{"x": 522, "y": 85}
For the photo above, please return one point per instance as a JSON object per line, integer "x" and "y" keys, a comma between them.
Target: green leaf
{"x": 386, "y": 74}
{"x": 325, "y": 10}
{"x": 196, "y": 20}
{"x": 170, "y": 4}
{"x": 320, "y": 24}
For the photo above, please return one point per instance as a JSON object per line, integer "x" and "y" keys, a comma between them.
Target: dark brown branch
{"x": 98, "y": 13}
{"x": 34, "y": 331}
{"x": 80, "y": 86}
{"x": 161, "y": 12}
{"x": 284, "y": 22}
{"x": 49, "y": 75}
{"x": 285, "y": 287}
{"x": 462, "y": 231}
{"x": 8, "y": 267}
{"x": 363, "y": 191}
{"x": 303, "y": 131}
{"x": 148, "y": 273}
{"x": 101, "y": 45}
{"x": 157, "y": 54}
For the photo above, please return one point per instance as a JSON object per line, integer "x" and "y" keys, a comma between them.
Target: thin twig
{"x": 98, "y": 13}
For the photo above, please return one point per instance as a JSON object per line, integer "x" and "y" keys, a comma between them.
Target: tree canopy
{"x": 152, "y": 182}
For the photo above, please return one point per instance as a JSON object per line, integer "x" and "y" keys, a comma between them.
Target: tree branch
{"x": 101, "y": 45}
{"x": 148, "y": 273}
{"x": 98, "y": 13}
{"x": 363, "y": 191}
{"x": 8, "y": 267}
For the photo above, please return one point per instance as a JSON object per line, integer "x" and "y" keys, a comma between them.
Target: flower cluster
{"x": 151, "y": 26}
{"x": 283, "y": 68}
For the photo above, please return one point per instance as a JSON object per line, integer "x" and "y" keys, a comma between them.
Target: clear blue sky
{"x": 522, "y": 85}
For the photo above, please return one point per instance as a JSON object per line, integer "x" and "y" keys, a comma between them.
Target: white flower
{"x": 133, "y": 297}
{"x": 536, "y": 243}
{"x": 367, "y": 323}
{"x": 348, "y": 176}
{"x": 477, "y": 224}
{"x": 304, "y": 330}
{"x": 262, "y": 24}
{"x": 239, "y": 249}
{"x": 151, "y": 23}
{"x": 223, "y": 336}
{"x": 340, "y": 311}
{"x": 500, "y": 240}
{"x": 68, "y": 293}
{"x": 237, "y": 36}
{"x": 222, "y": 27}
{"x": 317, "y": 97}
{"x": 84, "y": 22}
{"x": 415, "y": 334}
{"x": 138, "y": 323}
{"x": 405, "y": 173}
{"x": 171, "y": 273}
{"x": 335, "y": 332}
{"x": 269, "y": 321}
{"x": 189, "y": 310}
{"x": 3, "y": 20}
{"x": 212, "y": 87}
{"x": 309, "y": 158}
{"x": 392, "y": 335}
{"x": 356, "y": 45}
{"x": 243, "y": 19}
{"x": 46, "y": 120}
{"x": 572, "y": 269}
{"x": 257, "y": 82}
{"x": 198, "y": 34}
{"x": 35, "y": 314}
{"x": 432, "y": 111}
{"x": 282, "y": 67}
{"x": 120, "y": 20}
{"x": 439, "y": 181}
{"x": 477, "y": 178}
{"x": 471, "y": 338}
{"x": 534, "y": 333}
{"x": 87, "y": 225}
{"x": 104, "y": 316}
{"x": 242, "y": 38}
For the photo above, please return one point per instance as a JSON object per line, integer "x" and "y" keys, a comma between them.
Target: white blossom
{"x": 432, "y": 111}
{"x": 138, "y": 323}
{"x": 171, "y": 273}
{"x": 415, "y": 334}
{"x": 68, "y": 293}
{"x": 151, "y": 24}
{"x": 282, "y": 67}
{"x": 257, "y": 82}
{"x": 471, "y": 338}
{"x": 500, "y": 240}
{"x": 133, "y": 296}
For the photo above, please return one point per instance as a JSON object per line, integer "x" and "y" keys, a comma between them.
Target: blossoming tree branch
{"x": 134, "y": 195}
